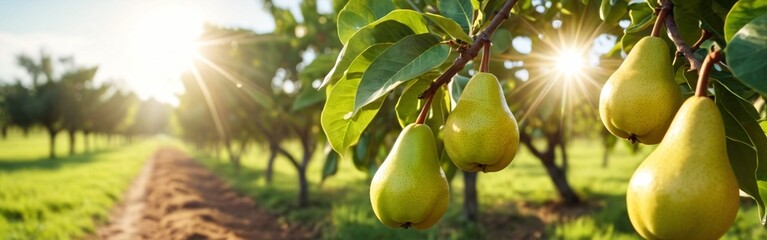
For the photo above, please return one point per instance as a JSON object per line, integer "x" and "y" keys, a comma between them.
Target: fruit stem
{"x": 681, "y": 46}
{"x": 665, "y": 8}
{"x": 708, "y": 64}
{"x": 485, "y": 65}
{"x": 471, "y": 52}
{"x": 424, "y": 110}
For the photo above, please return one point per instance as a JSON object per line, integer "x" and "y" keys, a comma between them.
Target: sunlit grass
{"x": 62, "y": 198}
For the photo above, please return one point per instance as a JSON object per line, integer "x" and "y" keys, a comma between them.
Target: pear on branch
{"x": 686, "y": 188}
{"x": 639, "y": 99}
{"x": 410, "y": 188}
{"x": 481, "y": 134}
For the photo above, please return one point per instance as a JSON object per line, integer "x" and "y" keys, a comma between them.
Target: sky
{"x": 128, "y": 40}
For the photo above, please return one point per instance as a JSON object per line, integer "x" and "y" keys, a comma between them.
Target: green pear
{"x": 481, "y": 133}
{"x": 410, "y": 188}
{"x": 686, "y": 188}
{"x": 639, "y": 99}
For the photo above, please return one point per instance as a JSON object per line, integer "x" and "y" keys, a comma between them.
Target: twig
{"x": 704, "y": 35}
{"x": 663, "y": 13}
{"x": 484, "y": 66}
{"x": 470, "y": 53}
{"x": 708, "y": 64}
{"x": 681, "y": 46}
{"x": 425, "y": 110}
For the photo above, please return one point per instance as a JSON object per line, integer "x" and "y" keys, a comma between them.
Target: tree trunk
{"x": 52, "y": 136}
{"x": 558, "y": 175}
{"x": 270, "y": 164}
{"x": 303, "y": 188}
{"x": 559, "y": 178}
{"x": 470, "y": 202}
{"x": 87, "y": 140}
{"x": 4, "y": 131}
{"x": 303, "y": 191}
{"x": 605, "y": 158}
{"x": 71, "y": 141}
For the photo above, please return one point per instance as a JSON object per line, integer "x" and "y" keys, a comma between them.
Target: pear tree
{"x": 420, "y": 54}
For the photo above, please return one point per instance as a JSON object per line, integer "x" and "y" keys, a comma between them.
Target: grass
{"x": 341, "y": 206}
{"x": 63, "y": 198}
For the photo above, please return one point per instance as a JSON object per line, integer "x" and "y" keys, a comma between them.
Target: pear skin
{"x": 686, "y": 188}
{"x": 410, "y": 188}
{"x": 640, "y": 98}
{"x": 481, "y": 134}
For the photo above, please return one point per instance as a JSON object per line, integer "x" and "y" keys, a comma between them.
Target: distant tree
{"x": 45, "y": 102}
{"x": 76, "y": 85}
{"x": 18, "y": 106}
{"x": 112, "y": 115}
{"x": 151, "y": 118}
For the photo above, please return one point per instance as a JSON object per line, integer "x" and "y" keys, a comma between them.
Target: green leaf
{"x": 687, "y": 24}
{"x": 408, "y": 106}
{"x": 460, "y": 11}
{"x": 449, "y": 26}
{"x": 641, "y": 18}
{"x": 361, "y": 151}
{"x": 747, "y": 54}
{"x": 447, "y": 165}
{"x": 456, "y": 87}
{"x": 501, "y": 40}
{"x": 611, "y": 11}
{"x": 438, "y": 113}
{"x": 358, "y": 14}
{"x": 307, "y": 97}
{"x": 391, "y": 28}
{"x": 409, "y": 58}
{"x": 330, "y": 167}
{"x": 746, "y": 143}
{"x": 342, "y": 127}
{"x": 363, "y": 61}
{"x": 741, "y": 13}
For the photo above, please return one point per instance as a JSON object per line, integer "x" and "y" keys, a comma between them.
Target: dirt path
{"x": 175, "y": 197}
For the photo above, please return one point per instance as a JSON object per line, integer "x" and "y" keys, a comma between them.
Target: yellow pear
{"x": 639, "y": 99}
{"x": 686, "y": 188}
{"x": 410, "y": 188}
{"x": 481, "y": 133}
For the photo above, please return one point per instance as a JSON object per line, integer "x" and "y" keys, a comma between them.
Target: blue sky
{"x": 99, "y": 32}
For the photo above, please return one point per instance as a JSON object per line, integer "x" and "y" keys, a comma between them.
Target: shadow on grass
{"x": 45, "y": 163}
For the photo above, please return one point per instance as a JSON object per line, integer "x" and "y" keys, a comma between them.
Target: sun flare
{"x": 569, "y": 62}
{"x": 164, "y": 44}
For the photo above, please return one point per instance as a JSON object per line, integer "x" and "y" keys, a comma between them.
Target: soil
{"x": 528, "y": 220}
{"x": 174, "y": 197}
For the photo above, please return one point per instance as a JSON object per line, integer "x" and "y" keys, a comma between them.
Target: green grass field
{"x": 341, "y": 206}
{"x": 66, "y": 197}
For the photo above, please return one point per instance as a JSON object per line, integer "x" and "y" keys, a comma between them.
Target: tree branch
{"x": 290, "y": 157}
{"x": 524, "y": 138}
{"x": 472, "y": 51}
{"x": 673, "y": 33}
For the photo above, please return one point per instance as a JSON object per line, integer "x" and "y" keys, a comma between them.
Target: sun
{"x": 569, "y": 62}
{"x": 163, "y": 45}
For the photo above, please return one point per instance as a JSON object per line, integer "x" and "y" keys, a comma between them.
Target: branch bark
{"x": 673, "y": 34}
{"x": 472, "y": 51}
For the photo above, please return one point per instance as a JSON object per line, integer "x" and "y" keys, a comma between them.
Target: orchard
{"x": 404, "y": 119}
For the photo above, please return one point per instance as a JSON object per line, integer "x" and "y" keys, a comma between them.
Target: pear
{"x": 639, "y": 99}
{"x": 410, "y": 188}
{"x": 481, "y": 133}
{"x": 686, "y": 188}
